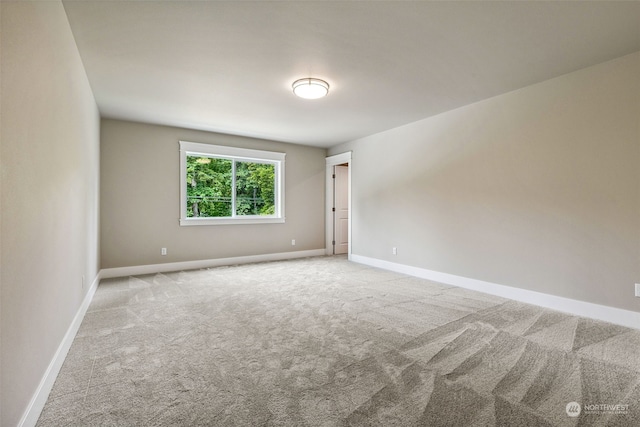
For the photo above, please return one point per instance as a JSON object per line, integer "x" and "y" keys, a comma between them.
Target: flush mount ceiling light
{"x": 309, "y": 88}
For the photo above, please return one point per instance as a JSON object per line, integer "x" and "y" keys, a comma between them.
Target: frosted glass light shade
{"x": 309, "y": 88}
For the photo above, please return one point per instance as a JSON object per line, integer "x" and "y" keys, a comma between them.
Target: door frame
{"x": 332, "y": 161}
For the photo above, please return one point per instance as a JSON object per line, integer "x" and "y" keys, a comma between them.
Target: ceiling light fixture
{"x": 309, "y": 88}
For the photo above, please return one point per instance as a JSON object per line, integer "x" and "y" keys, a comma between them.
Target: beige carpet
{"x": 326, "y": 342}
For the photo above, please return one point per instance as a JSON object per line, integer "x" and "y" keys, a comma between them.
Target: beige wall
{"x": 537, "y": 189}
{"x": 140, "y": 204}
{"x": 49, "y": 194}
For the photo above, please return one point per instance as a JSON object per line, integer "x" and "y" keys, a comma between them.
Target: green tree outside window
{"x": 210, "y": 191}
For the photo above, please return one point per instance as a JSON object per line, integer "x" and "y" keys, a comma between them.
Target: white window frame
{"x": 237, "y": 154}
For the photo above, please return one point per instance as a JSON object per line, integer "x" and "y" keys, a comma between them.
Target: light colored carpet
{"x": 326, "y": 342}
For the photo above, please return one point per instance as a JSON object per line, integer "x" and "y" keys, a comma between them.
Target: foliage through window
{"x": 230, "y": 185}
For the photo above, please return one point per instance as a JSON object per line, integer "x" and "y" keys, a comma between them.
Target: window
{"x": 228, "y": 185}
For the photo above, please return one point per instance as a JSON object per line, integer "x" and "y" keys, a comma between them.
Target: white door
{"x": 341, "y": 209}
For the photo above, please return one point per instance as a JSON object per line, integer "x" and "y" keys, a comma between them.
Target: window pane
{"x": 230, "y": 185}
{"x": 208, "y": 187}
{"x": 255, "y": 188}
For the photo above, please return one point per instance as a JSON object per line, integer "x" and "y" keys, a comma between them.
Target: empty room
{"x": 319, "y": 213}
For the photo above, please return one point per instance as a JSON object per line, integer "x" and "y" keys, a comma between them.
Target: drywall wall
{"x": 140, "y": 199}
{"x": 537, "y": 188}
{"x": 49, "y": 193}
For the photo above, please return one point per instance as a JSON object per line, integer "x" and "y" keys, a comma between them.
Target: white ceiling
{"x": 228, "y": 66}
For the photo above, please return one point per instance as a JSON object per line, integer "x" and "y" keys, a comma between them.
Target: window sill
{"x": 230, "y": 221}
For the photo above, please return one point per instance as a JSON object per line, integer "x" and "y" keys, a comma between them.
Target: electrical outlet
{"x": 293, "y": 242}
{"x": 163, "y": 251}
{"x": 394, "y": 250}
{"x": 638, "y": 289}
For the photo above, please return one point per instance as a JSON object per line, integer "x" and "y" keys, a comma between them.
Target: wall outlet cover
{"x": 638, "y": 289}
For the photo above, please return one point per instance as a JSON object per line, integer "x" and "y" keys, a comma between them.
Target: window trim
{"x": 237, "y": 154}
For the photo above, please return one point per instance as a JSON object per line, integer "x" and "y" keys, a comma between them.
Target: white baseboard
{"x": 614, "y": 315}
{"x": 205, "y": 263}
{"x": 39, "y": 399}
